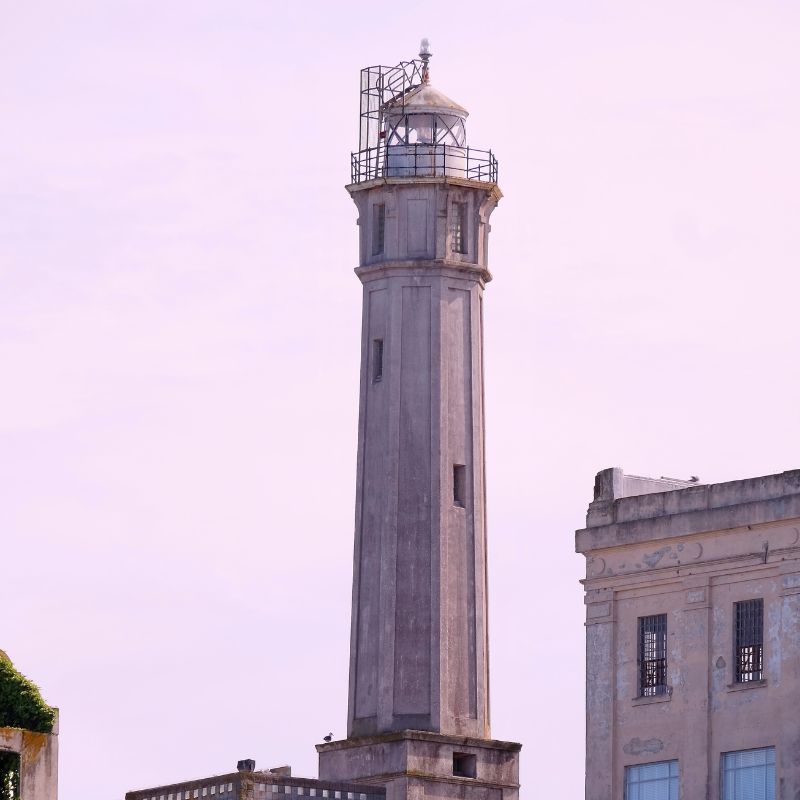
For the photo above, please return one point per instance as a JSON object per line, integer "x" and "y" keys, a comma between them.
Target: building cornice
{"x": 672, "y": 526}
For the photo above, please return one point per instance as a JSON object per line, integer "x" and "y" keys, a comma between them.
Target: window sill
{"x": 656, "y": 698}
{"x": 741, "y": 687}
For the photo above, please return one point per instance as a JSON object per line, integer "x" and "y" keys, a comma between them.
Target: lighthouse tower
{"x": 418, "y": 712}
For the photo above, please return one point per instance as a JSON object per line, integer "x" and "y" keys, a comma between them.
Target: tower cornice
{"x": 424, "y": 269}
{"x": 421, "y": 736}
{"x": 491, "y": 189}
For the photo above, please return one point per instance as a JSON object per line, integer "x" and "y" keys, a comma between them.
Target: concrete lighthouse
{"x": 418, "y": 711}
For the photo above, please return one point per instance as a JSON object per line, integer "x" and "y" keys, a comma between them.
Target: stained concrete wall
{"x": 416, "y": 764}
{"x": 691, "y": 553}
{"x": 38, "y": 761}
{"x": 419, "y": 655}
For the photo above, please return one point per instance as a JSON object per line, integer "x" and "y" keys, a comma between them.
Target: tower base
{"x": 420, "y": 765}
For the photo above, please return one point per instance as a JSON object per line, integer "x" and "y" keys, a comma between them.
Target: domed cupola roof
{"x": 425, "y": 99}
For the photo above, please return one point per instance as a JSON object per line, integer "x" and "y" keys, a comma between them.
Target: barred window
{"x": 459, "y": 228}
{"x": 657, "y": 781}
{"x": 749, "y": 774}
{"x": 652, "y": 655}
{"x": 749, "y": 644}
{"x": 378, "y": 228}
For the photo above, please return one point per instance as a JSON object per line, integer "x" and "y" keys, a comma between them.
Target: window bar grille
{"x": 653, "y": 655}
{"x": 749, "y": 653}
{"x": 379, "y": 228}
{"x": 458, "y": 230}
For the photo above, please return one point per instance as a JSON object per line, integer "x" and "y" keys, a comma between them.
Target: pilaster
{"x": 694, "y": 670}
{"x": 600, "y": 683}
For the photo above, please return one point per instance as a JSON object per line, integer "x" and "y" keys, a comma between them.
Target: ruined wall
{"x": 38, "y": 761}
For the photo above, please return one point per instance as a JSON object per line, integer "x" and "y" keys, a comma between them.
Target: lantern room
{"x": 424, "y": 116}
{"x": 411, "y": 129}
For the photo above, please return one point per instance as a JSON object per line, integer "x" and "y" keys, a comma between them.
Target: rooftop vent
{"x": 246, "y": 765}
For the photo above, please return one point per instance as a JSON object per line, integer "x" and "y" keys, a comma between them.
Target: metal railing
{"x": 423, "y": 160}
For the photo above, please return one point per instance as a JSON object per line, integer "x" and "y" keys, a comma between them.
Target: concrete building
{"x": 248, "y": 784}
{"x": 418, "y": 713}
{"x": 692, "y": 638}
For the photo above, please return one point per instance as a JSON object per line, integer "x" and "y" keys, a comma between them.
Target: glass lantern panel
{"x": 450, "y": 130}
{"x": 397, "y": 135}
{"x": 420, "y": 128}
{"x": 395, "y": 128}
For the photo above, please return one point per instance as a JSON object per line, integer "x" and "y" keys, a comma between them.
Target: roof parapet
{"x": 630, "y": 508}
{"x": 613, "y": 483}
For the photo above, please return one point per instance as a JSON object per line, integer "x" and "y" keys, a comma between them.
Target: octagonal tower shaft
{"x": 419, "y": 650}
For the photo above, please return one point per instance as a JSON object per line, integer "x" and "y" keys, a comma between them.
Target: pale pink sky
{"x": 179, "y": 340}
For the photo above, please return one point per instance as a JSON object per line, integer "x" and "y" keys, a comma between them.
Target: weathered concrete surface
{"x": 685, "y": 508}
{"x": 417, "y": 764}
{"x": 691, "y": 553}
{"x": 419, "y": 655}
{"x": 38, "y": 761}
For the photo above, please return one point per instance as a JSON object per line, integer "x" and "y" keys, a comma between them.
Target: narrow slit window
{"x": 653, "y": 655}
{"x": 459, "y": 228}
{"x": 377, "y": 360}
{"x": 749, "y": 646}
{"x": 378, "y": 228}
{"x": 459, "y": 485}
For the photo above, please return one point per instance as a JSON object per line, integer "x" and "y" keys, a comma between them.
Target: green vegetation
{"x": 9, "y": 776}
{"x": 21, "y": 705}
